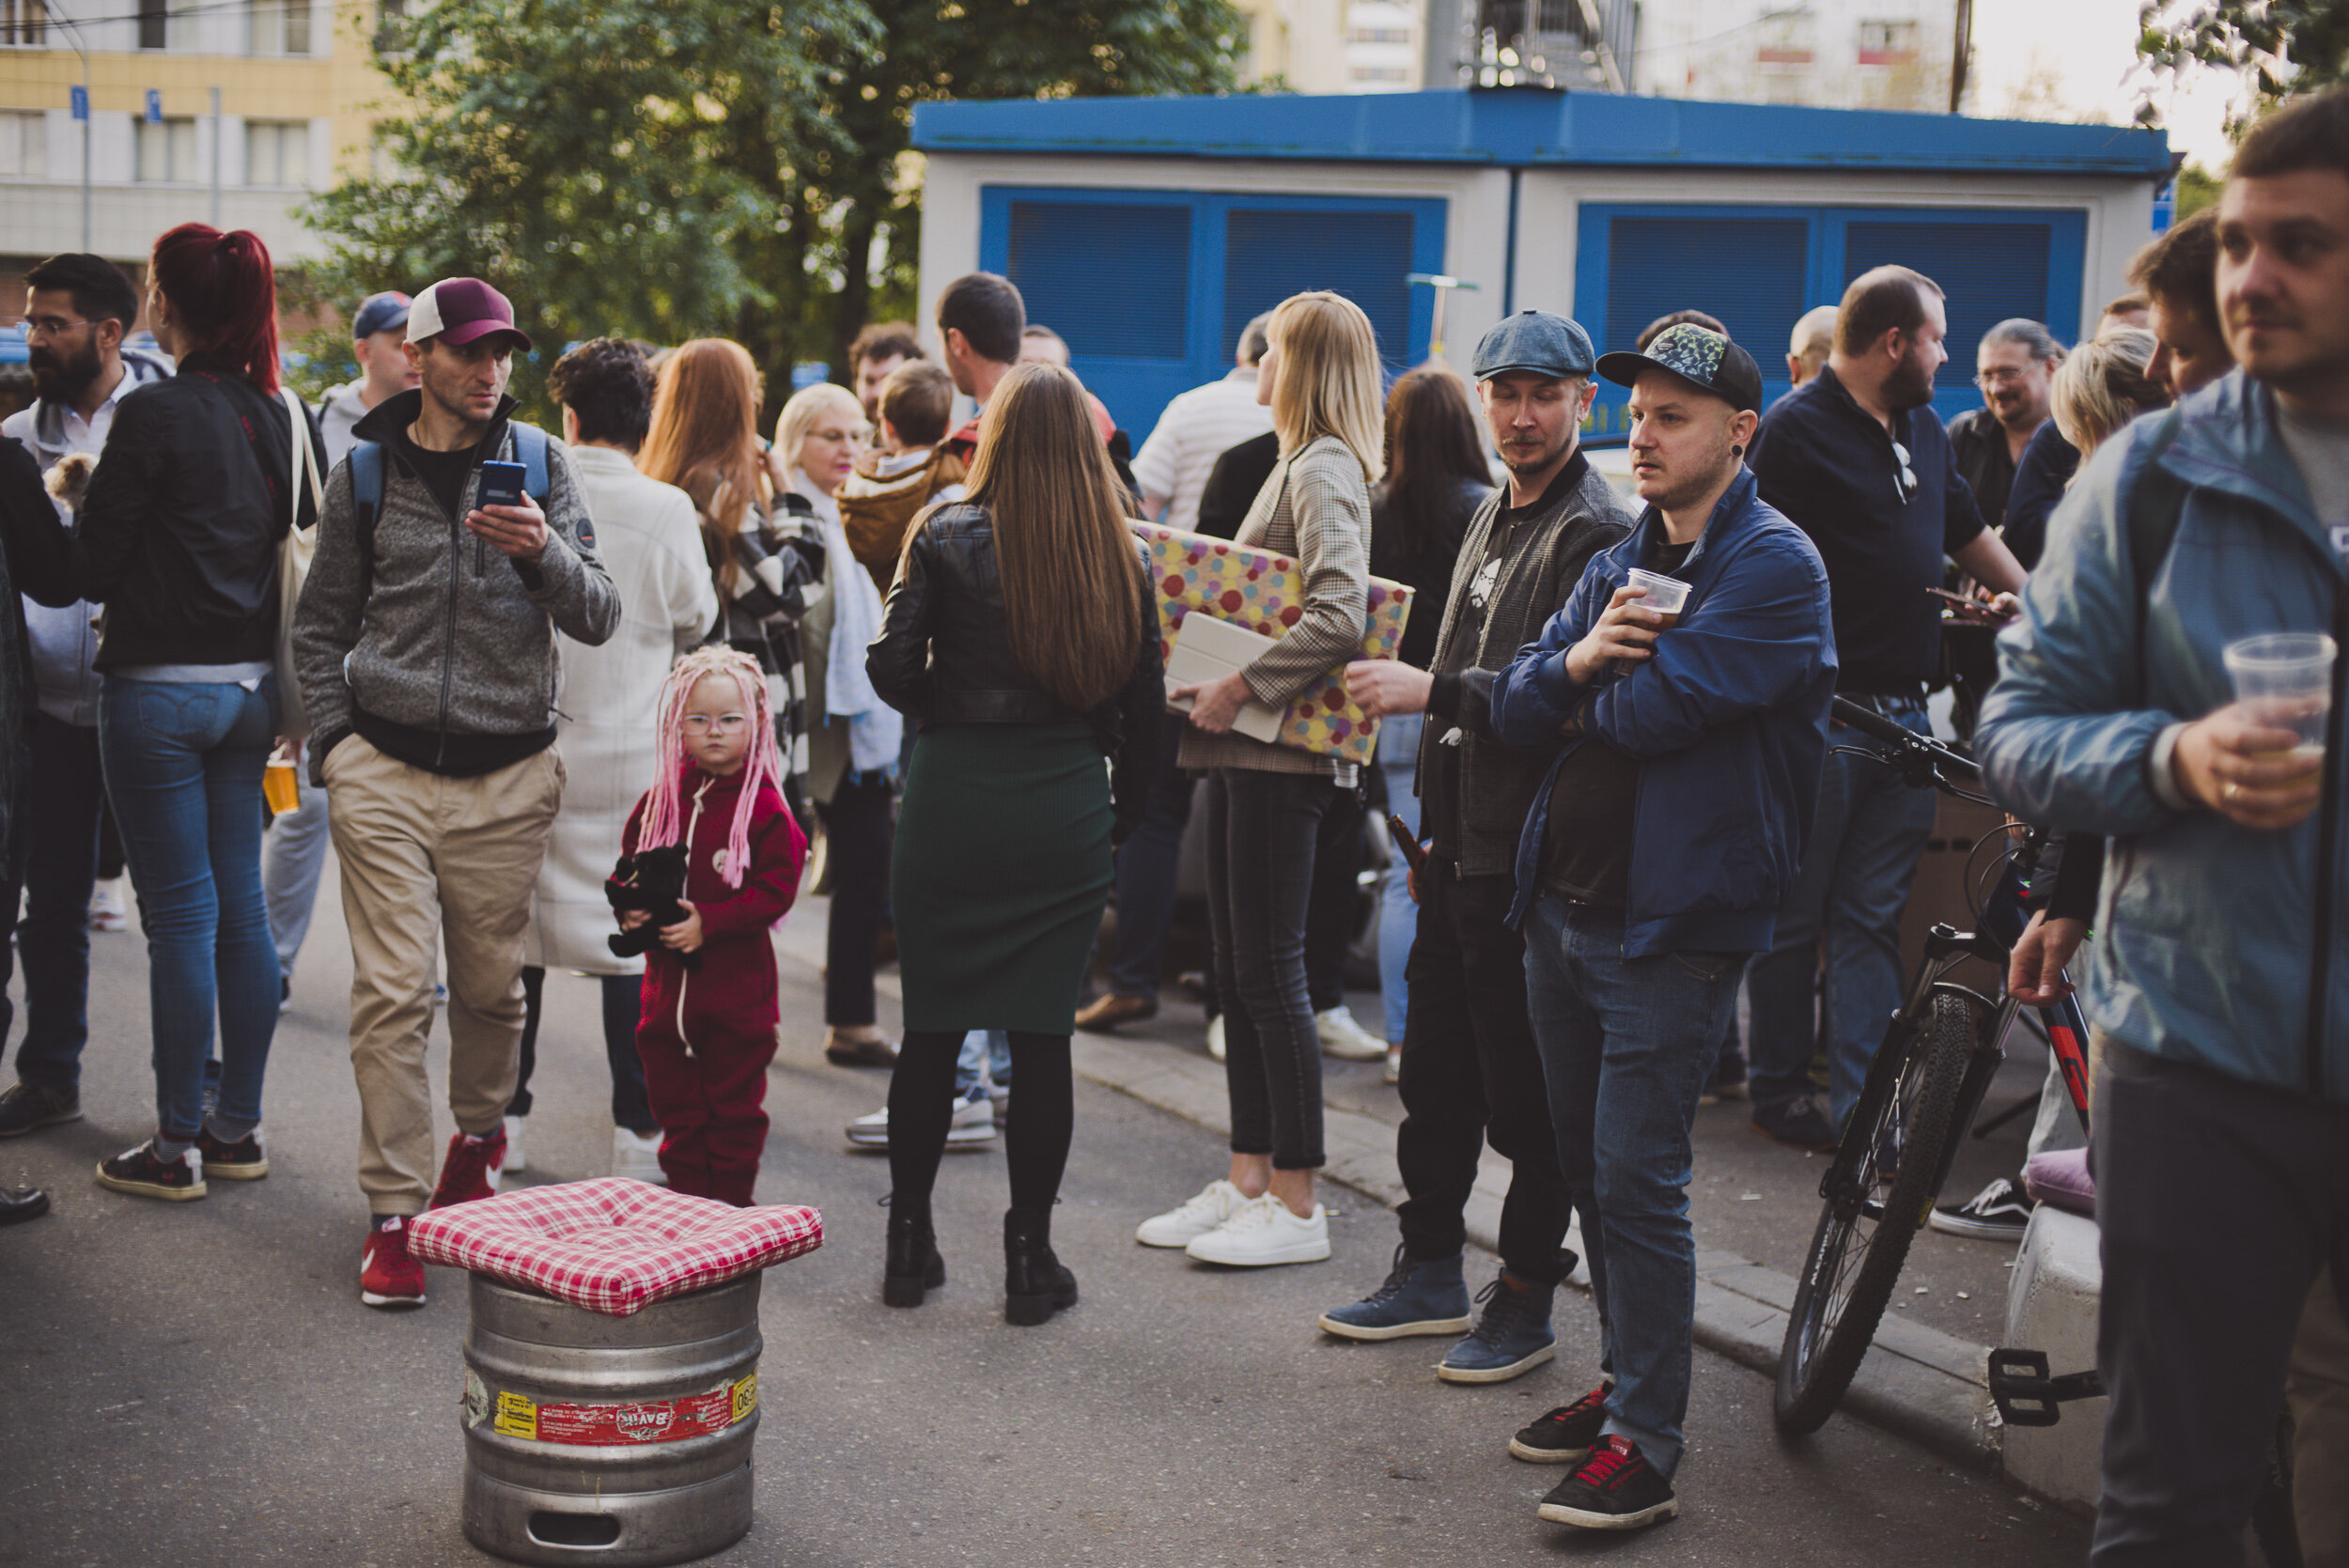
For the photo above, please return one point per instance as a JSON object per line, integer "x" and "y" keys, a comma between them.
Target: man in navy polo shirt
{"x": 1856, "y": 459}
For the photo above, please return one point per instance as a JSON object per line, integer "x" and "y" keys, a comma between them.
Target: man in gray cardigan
{"x": 425, "y": 648}
{"x": 1470, "y": 1069}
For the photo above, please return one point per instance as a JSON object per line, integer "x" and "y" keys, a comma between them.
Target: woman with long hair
{"x": 1266, "y": 802}
{"x": 1437, "y": 476}
{"x": 178, "y": 538}
{"x": 855, "y": 739}
{"x": 1022, "y": 636}
{"x": 2101, "y": 385}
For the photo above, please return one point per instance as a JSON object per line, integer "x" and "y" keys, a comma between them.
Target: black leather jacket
{"x": 944, "y": 655}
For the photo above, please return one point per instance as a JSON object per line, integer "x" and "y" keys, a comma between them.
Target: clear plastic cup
{"x": 1664, "y": 595}
{"x": 2285, "y": 678}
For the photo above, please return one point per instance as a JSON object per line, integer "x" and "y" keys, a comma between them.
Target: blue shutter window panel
{"x": 1112, "y": 278}
{"x": 1270, "y": 254}
{"x": 1748, "y": 271}
{"x": 1989, "y": 272}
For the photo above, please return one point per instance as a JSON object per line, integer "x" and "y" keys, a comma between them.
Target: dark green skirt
{"x": 1001, "y": 871}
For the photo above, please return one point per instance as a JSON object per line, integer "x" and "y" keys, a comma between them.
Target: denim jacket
{"x": 1728, "y": 720}
{"x": 2210, "y": 934}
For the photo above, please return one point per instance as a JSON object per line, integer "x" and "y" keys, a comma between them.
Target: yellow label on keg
{"x": 745, "y": 1396}
{"x": 516, "y": 1415}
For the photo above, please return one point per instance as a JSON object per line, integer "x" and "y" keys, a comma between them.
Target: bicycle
{"x": 1940, "y": 1054}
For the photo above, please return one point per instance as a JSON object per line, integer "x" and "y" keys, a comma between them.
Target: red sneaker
{"x": 388, "y": 1277}
{"x": 471, "y": 1169}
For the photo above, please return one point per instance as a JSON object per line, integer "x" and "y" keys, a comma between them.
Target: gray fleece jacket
{"x": 437, "y": 645}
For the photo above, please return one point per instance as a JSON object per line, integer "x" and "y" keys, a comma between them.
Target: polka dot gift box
{"x": 1263, "y": 593}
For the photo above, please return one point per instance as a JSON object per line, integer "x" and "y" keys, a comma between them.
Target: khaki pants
{"x": 422, "y": 854}
{"x": 2316, "y": 1389}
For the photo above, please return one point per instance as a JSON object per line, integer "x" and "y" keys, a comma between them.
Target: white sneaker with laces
{"x": 514, "y": 1158}
{"x": 1263, "y": 1233}
{"x": 1179, "y": 1226}
{"x": 973, "y": 1124}
{"x": 637, "y": 1156}
{"x": 1345, "y": 1039}
{"x": 1214, "y": 1037}
{"x": 107, "y": 911}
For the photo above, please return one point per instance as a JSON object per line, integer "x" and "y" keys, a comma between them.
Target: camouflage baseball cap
{"x": 1706, "y": 359}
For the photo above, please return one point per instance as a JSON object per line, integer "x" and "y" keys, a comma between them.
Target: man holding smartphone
{"x": 1469, "y": 1068}
{"x": 426, "y": 644}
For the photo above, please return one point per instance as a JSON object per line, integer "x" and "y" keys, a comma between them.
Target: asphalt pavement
{"x": 197, "y": 1383}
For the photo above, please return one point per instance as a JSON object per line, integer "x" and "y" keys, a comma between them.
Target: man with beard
{"x": 1855, "y": 458}
{"x": 2013, "y": 367}
{"x": 78, "y": 309}
{"x": 1469, "y": 1068}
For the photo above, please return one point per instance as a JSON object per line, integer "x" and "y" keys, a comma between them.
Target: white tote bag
{"x": 294, "y": 567}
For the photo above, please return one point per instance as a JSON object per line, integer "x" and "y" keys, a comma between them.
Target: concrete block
{"x": 2051, "y": 1307}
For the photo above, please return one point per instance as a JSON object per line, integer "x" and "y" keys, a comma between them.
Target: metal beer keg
{"x": 622, "y": 1441}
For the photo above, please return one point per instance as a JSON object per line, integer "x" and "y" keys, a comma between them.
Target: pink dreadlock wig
{"x": 664, "y": 810}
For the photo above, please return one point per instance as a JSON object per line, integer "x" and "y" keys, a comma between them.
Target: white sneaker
{"x": 107, "y": 911}
{"x": 1394, "y": 1065}
{"x": 513, "y": 1160}
{"x": 1345, "y": 1039}
{"x": 1264, "y": 1231}
{"x": 1178, "y": 1227}
{"x": 972, "y": 1125}
{"x": 637, "y": 1156}
{"x": 1214, "y": 1037}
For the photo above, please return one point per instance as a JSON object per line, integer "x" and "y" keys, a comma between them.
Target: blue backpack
{"x": 367, "y": 485}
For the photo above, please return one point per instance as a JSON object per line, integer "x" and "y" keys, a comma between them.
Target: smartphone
{"x": 501, "y": 485}
{"x": 1971, "y": 609}
{"x": 1413, "y": 851}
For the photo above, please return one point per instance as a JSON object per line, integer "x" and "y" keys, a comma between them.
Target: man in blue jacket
{"x": 1654, "y": 860}
{"x": 2219, "y": 984}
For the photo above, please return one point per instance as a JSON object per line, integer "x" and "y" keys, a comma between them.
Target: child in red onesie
{"x": 707, "y": 1034}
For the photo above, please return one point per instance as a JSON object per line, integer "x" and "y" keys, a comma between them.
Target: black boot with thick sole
{"x": 1034, "y": 1284}
{"x": 913, "y": 1265}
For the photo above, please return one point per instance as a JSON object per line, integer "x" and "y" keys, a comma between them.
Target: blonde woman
{"x": 2103, "y": 385}
{"x": 1266, "y": 802}
{"x": 853, "y": 737}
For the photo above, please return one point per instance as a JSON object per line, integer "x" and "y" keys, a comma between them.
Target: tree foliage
{"x": 2274, "y": 47}
{"x": 675, "y": 168}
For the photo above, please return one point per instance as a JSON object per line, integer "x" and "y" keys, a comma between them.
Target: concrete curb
{"x": 1918, "y": 1383}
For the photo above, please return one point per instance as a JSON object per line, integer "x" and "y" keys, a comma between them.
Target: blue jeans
{"x": 293, "y": 853}
{"x": 1626, "y": 1045}
{"x": 1398, "y": 917}
{"x": 1847, "y": 899}
{"x": 184, "y": 766}
{"x": 52, "y": 863}
{"x": 984, "y": 1051}
{"x": 1145, "y": 873}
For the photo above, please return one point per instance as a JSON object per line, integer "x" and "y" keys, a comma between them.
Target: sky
{"x": 2077, "y": 60}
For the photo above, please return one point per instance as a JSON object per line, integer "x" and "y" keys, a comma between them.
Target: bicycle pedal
{"x": 2026, "y": 1395}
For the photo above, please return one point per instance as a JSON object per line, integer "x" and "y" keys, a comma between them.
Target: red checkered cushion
{"x": 612, "y": 1245}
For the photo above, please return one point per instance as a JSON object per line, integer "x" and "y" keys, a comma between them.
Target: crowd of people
{"x": 581, "y": 704}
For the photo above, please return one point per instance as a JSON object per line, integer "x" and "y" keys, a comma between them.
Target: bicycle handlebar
{"x": 1868, "y": 721}
{"x": 1919, "y": 759}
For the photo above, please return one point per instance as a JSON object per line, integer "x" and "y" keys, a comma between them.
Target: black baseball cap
{"x": 1707, "y": 360}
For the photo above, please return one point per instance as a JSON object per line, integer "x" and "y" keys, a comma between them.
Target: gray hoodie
{"x": 436, "y": 644}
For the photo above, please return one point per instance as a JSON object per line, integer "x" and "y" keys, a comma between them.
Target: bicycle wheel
{"x": 1865, "y": 1230}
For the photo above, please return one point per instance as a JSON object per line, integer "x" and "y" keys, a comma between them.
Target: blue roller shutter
{"x": 1988, "y": 270}
{"x": 1748, "y": 271}
{"x": 1270, "y": 254}
{"x": 1113, "y": 279}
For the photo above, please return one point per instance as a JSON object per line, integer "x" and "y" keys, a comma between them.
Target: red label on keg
{"x": 663, "y": 1420}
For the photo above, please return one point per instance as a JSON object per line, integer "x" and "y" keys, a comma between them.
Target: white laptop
{"x": 1207, "y": 649}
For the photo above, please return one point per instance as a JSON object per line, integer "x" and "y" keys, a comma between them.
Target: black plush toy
{"x": 652, "y": 881}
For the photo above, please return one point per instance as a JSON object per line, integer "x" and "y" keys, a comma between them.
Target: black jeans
{"x": 621, "y": 1010}
{"x": 1036, "y": 1128}
{"x": 51, "y": 862}
{"x": 1470, "y": 1072}
{"x": 1147, "y": 873}
{"x": 857, "y": 833}
{"x": 1261, "y": 833}
{"x": 2218, "y": 1200}
{"x": 1337, "y": 893}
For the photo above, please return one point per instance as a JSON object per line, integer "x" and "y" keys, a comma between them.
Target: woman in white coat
{"x": 649, "y": 536}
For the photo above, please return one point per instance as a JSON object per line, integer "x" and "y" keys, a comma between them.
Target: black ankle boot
{"x": 1034, "y": 1284}
{"x": 913, "y": 1265}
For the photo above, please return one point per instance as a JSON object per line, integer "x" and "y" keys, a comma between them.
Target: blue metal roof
{"x": 1535, "y": 127}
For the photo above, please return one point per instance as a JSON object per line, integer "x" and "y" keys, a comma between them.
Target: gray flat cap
{"x": 1538, "y": 341}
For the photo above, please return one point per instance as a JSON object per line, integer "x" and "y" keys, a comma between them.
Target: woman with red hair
{"x": 178, "y": 540}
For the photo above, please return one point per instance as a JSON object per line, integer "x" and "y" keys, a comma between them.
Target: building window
{"x": 154, "y": 25}
{"x": 276, "y": 152}
{"x": 167, "y": 152}
{"x": 1381, "y": 73}
{"x": 23, "y": 24}
{"x": 280, "y": 28}
{"x": 1556, "y": 16}
{"x": 1785, "y": 43}
{"x": 1380, "y": 34}
{"x": 24, "y": 146}
{"x": 1888, "y": 43}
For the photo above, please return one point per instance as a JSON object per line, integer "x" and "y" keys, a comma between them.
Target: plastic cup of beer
{"x": 279, "y": 789}
{"x": 2285, "y": 680}
{"x": 1664, "y": 595}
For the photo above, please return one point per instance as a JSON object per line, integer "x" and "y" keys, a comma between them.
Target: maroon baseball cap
{"x": 458, "y": 310}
